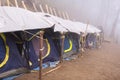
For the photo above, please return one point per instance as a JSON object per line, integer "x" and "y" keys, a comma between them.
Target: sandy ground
{"x": 101, "y": 64}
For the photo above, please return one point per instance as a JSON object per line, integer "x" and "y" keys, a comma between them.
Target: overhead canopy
{"x": 66, "y": 24}
{"x": 96, "y": 30}
{"x": 86, "y": 28}
{"x": 50, "y": 19}
{"x": 16, "y": 19}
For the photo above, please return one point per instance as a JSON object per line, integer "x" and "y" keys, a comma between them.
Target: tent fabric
{"x": 14, "y": 58}
{"x": 68, "y": 45}
{"x": 2, "y": 50}
{"x": 16, "y": 19}
{"x": 86, "y": 28}
{"x": 49, "y": 53}
{"x": 91, "y": 40}
{"x": 51, "y": 20}
{"x": 76, "y": 40}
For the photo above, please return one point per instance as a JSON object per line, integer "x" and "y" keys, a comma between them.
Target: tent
{"x": 62, "y": 25}
{"x": 10, "y": 57}
{"x": 15, "y": 19}
{"x": 71, "y": 43}
{"x": 91, "y": 40}
{"x": 50, "y": 53}
{"x": 18, "y": 19}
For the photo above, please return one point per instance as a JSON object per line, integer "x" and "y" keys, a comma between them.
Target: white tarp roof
{"x": 94, "y": 28}
{"x": 66, "y": 24}
{"x": 15, "y": 19}
{"x": 50, "y": 19}
{"x": 77, "y": 27}
{"x": 86, "y": 28}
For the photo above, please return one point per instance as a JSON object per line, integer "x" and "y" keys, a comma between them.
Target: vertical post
{"x": 47, "y": 8}
{"x": 85, "y": 36}
{"x": 86, "y": 28}
{"x": 59, "y": 14}
{"x": 51, "y": 10}
{"x": 8, "y": 3}
{"x": 54, "y": 11}
{"x": 0, "y": 3}
{"x": 35, "y": 7}
{"x": 67, "y": 15}
{"x": 40, "y": 54}
{"x": 41, "y": 8}
{"x": 63, "y": 15}
{"x": 16, "y": 3}
{"x": 23, "y": 4}
{"x": 62, "y": 46}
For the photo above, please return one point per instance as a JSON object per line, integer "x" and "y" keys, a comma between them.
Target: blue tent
{"x": 71, "y": 43}
{"x": 10, "y": 57}
{"x": 91, "y": 40}
{"x": 74, "y": 38}
{"x": 68, "y": 44}
{"x": 50, "y": 52}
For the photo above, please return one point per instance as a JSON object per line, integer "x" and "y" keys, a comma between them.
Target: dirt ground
{"x": 101, "y": 64}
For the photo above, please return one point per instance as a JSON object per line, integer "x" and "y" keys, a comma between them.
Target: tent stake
{"x": 62, "y": 47}
{"x": 40, "y": 54}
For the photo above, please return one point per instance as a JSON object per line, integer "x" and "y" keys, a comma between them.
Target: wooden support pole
{"x": 63, "y": 15}
{"x": 34, "y": 6}
{"x": 86, "y": 28}
{"x": 54, "y": 11}
{"x": 52, "y": 70}
{"x": 67, "y": 16}
{"x": 41, "y": 8}
{"x": 23, "y": 4}
{"x": 51, "y": 10}
{"x": 47, "y": 9}
{"x": 16, "y": 3}
{"x": 40, "y": 54}
{"x": 62, "y": 46}
{"x": 8, "y": 3}
{"x": 84, "y": 39}
{"x": 60, "y": 15}
{"x": 0, "y": 3}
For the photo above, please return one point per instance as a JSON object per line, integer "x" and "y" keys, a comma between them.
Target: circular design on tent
{"x": 46, "y": 45}
{"x": 7, "y": 51}
{"x": 70, "y": 48}
{"x": 48, "y": 49}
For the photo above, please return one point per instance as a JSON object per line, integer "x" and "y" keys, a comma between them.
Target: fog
{"x": 105, "y": 13}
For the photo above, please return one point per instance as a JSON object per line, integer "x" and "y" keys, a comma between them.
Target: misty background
{"x": 105, "y": 14}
